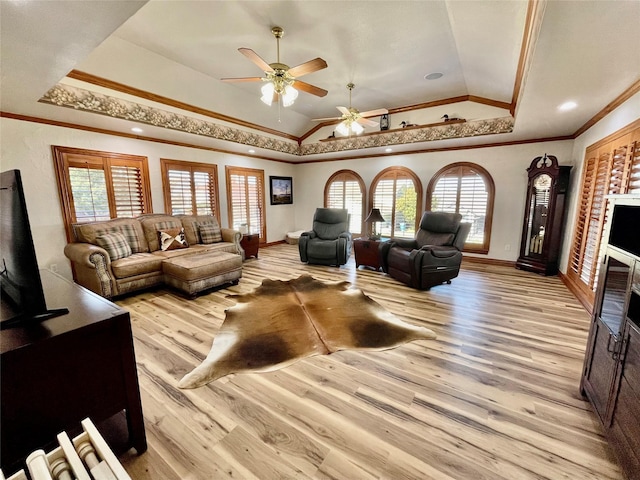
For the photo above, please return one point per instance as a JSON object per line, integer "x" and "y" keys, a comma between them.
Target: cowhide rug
{"x": 281, "y": 322}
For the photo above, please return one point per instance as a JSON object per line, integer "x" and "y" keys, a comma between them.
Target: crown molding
{"x": 81, "y": 99}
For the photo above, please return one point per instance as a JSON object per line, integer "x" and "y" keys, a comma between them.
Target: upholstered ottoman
{"x": 193, "y": 274}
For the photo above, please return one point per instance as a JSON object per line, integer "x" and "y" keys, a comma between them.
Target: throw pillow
{"x": 115, "y": 244}
{"x": 209, "y": 233}
{"x": 172, "y": 239}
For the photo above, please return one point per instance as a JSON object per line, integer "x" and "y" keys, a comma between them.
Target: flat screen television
{"x": 624, "y": 228}
{"x": 22, "y": 294}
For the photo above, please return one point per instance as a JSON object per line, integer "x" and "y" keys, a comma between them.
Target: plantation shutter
{"x": 466, "y": 189}
{"x": 344, "y": 191}
{"x": 126, "y": 181}
{"x": 98, "y": 186}
{"x": 396, "y": 195}
{"x": 190, "y": 188}
{"x": 245, "y": 192}
{"x": 610, "y": 168}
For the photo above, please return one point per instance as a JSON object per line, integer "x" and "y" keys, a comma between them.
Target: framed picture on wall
{"x": 281, "y": 190}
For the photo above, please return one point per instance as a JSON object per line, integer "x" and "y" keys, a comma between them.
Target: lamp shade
{"x": 374, "y": 216}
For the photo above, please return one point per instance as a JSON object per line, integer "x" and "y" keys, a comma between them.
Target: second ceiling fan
{"x": 353, "y": 120}
{"x": 282, "y": 81}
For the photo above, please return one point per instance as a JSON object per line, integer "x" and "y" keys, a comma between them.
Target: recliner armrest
{"x": 346, "y": 235}
{"x": 406, "y": 243}
{"x": 310, "y": 234}
{"x": 440, "y": 251}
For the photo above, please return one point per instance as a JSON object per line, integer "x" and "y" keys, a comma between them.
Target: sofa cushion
{"x": 115, "y": 244}
{"x": 129, "y": 227}
{"x": 172, "y": 239}
{"x": 136, "y": 264}
{"x": 209, "y": 233}
{"x": 191, "y": 224}
{"x": 153, "y": 222}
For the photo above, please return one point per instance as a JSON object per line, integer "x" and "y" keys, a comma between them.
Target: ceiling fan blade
{"x": 242, "y": 79}
{"x": 344, "y": 110}
{"x": 312, "y": 89}
{"x": 374, "y": 113}
{"x": 308, "y": 67}
{"x": 327, "y": 119}
{"x": 255, "y": 58}
{"x": 367, "y": 122}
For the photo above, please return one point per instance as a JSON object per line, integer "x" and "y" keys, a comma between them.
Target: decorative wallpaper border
{"x": 81, "y": 99}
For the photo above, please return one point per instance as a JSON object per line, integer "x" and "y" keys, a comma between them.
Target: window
{"x": 612, "y": 166}
{"x": 100, "y": 185}
{"x": 345, "y": 189}
{"x": 245, "y": 199}
{"x": 468, "y": 189}
{"x": 190, "y": 188}
{"x": 396, "y": 191}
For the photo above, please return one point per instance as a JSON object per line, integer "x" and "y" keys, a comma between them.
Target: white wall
{"x": 27, "y": 146}
{"x": 507, "y": 166}
{"x": 622, "y": 116}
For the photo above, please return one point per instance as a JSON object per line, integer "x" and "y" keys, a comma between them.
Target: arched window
{"x": 345, "y": 189}
{"x": 397, "y": 191}
{"x": 468, "y": 189}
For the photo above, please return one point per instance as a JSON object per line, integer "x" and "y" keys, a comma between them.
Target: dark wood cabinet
{"x": 543, "y": 216}
{"x": 611, "y": 374}
{"x": 366, "y": 252}
{"x": 250, "y": 243}
{"x": 60, "y": 371}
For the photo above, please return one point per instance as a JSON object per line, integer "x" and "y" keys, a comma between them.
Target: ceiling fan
{"x": 353, "y": 120}
{"x": 282, "y": 81}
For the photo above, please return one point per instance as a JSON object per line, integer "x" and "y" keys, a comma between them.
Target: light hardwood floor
{"x": 495, "y": 396}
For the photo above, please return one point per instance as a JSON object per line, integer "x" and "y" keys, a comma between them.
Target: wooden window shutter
{"x": 467, "y": 189}
{"x": 190, "y": 188}
{"x": 612, "y": 166}
{"x": 397, "y": 191}
{"x": 246, "y": 199}
{"x": 345, "y": 189}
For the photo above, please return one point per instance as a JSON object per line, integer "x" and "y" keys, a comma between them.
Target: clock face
{"x": 542, "y": 182}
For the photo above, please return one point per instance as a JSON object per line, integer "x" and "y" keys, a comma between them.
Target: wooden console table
{"x": 60, "y": 371}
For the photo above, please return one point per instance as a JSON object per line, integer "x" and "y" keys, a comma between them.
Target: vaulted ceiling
{"x": 506, "y": 67}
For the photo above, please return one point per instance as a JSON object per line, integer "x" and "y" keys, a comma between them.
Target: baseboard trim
{"x": 489, "y": 261}
{"x": 577, "y": 292}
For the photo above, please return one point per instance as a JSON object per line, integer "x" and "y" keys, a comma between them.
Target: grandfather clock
{"x": 543, "y": 216}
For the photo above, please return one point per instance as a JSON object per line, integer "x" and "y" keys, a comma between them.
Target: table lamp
{"x": 374, "y": 216}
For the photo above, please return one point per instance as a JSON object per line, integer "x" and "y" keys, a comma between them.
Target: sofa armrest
{"x": 92, "y": 268}
{"x": 232, "y": 236}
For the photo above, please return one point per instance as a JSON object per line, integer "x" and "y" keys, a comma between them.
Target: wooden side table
{"x": 250, "y": 243}
{"x": 366, "y": 252}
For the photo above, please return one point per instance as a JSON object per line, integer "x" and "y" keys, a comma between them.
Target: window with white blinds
{"x": 612, "y": 166}
{"x": 190, "y": 188}
{"x": 396, "y": 191}
{"x": 246, "y": 200}
{"x": 345, "y": 189}
{"x": 98, "y": 186}
{"x": 467, "y": 189}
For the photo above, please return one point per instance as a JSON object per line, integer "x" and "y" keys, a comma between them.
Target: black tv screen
{"x": 19, "y": 274}
{"x": 625, "y": 225}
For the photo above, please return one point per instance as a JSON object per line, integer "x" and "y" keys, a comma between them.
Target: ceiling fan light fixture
{"x": 289, "y": 96}
{"x": 343, "y": 129}
{"x": 357, "y": 128}
{"x": 267, "y": 93}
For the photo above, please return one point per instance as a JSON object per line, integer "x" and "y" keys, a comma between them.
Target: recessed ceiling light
{"x": 137, "y": 130}
{"x": 433, "y": 76}
{"x": 567, "y": 106}
{"x": 252, "y": 151}
{"x": 388, "y": 150}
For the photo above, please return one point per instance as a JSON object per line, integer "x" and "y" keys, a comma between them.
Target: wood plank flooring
{"x": 494, "y": 397}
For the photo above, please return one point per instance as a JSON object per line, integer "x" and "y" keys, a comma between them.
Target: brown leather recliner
{"x": 432, "y": 257}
